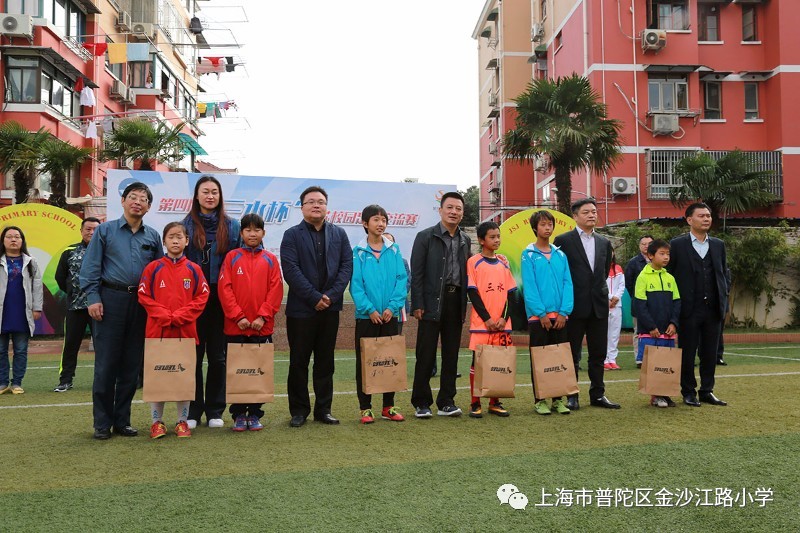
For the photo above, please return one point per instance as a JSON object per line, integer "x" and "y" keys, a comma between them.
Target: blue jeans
{"x": 644, "y": 341}
{"x": 20, "y": 341}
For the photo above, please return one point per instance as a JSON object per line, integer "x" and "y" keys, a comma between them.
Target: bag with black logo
{"x": 495, "y": 371}
{"x": 661, "y": 371}
{"x": 169, "y": 370}
{"x": 383, "y": 364}
{"x": 250, "y": 375}
{"x": 553, "y": 371}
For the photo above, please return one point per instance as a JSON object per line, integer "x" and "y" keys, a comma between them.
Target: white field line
{"x": 763, "y": 356}
{"x": 349, "y": 393}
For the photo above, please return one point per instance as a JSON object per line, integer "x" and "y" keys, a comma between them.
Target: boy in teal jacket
{"x": 378, "y": 287}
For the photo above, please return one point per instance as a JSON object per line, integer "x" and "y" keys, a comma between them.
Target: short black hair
{"x": 577, "y": 204}
{"x": 89, "y": 219}
{"x": 252, "y": 220}
{"x": 138, "y": 186}
{"x": 656, "y": 245}
{"x": 313, "y": 188}
{"x": 646, "y": 236}
{"x": 694, "y": 207}
{"x": 452, "y": 194}
{"x": 173, "y": 225}
{"x": 370, "y": 211}
{"x": 538, "y": 216}
{"x": 484, "y": 228}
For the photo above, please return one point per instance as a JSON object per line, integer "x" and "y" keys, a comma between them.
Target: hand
{"x": 327, "y": 300}
{"x": 655, "y": 333}
{"x": 418, "y": 313}
{"x": 491, "y": 324}
{"x": 612, "y": 303}
{"x": 37, "y": 315}
{"x": 375, "y": 317}
{"x": 258, "y": 323}
{"x": 501, "y": 324}
{"x": 561, "y": 322}
{"x": 243, "y": 324}
{"x": 96, "y": 311}
{"x": 387, "y": 315}
{"x": 545, "y": 322}
{"x": 671, "y": 329}
{"x": 322, "y": 304}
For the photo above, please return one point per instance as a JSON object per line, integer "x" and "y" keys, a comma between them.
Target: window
{"x": 713, "y": 100}
{"x": 23, "y": 78}
{"x": 750, "y": 100}
{"x": 668, "y": 14}
{"x": 709, "y": 22}
{"x": 65, "y": 15}
{"x": 668, "y": 93}
{"x": 140, "y": 73}
{"x": 559, "y": 41}
{"x": 749, "y": 23}
{"x": 26, "y": 7}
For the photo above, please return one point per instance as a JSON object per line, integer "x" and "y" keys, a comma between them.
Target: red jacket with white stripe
{"x": 250, "y": 286}
{"x": 174, "y": 293}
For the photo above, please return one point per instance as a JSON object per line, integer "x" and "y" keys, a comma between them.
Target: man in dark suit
{"x": 317, "y": 263}
{"x": 632, "y": 271}
{"x": 699, "y": 263}
{"x": 589, "y": 256}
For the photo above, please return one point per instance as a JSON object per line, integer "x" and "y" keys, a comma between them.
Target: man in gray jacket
{"x": 439, "y": 303}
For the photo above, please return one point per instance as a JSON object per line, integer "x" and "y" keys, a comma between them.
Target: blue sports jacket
{"x": 546, "y": 285}
{"x": 378, "y": 284}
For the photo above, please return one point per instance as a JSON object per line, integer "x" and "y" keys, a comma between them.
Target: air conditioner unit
{"x": 654, "y": 40}
{"x": 540, "y": 164}
{"x": 131, "y": 98}
{"x": 492, "y": 147}
{"x": 142, "y": 30}
{"x": 665, "y": 123}
{"x": 623, "y": 186}
{"x": 13, "y": 25}
{"x": 492, "y": 99}
{"x": 118, "y": 91}
{"x": 124, "y": 21}
{"x": 537, "y": 32}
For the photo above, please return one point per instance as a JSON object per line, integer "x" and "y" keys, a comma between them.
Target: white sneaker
{"x": 216, "y": 423}
{"x": 660, "y": 402}
{"x": 192, "y": 423}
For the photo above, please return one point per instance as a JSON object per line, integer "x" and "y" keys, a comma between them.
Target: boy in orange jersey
{"x": 250, "y": 292}
{"x": 174, "y": 293}
{"x": 489, "y": 282}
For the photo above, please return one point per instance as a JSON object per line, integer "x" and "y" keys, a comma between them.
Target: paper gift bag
{"x": 495, "y": 371}
{"x": 169, "y": 370}
{"x": 553, "y": 371}
{"x": 383, "y": 364}
{"x": 250, "y": 373}
{"x": 661, "y": 371}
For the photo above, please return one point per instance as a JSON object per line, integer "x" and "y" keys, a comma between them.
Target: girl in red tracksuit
{"x": 250, "y": 293}
{"x": 174, "y": 293}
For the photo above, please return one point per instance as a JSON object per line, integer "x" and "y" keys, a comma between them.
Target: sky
{"x": 347, "y": 89}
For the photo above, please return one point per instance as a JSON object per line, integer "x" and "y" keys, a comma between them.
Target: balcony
{"x": 661, "y": 164}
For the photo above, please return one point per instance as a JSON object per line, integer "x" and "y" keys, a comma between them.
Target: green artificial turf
{"x": 432, "y": 475}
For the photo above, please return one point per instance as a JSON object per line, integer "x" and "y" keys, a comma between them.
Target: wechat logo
{"x": 511, "y": 495}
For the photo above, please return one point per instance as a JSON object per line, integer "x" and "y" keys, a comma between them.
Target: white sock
{"x": 183, "y": 410}
{"x": 157, "y": 411}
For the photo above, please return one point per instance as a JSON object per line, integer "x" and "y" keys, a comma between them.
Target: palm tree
{"x": 564, "y": 120}
{"x": 728, "y": 185}
{"x": 19, "y": 154}
{"x": 58, "y": 158}
{"x": 140, "y": 140}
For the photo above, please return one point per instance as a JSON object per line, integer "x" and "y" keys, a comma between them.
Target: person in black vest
{"x": 699, "y": 265}
{"x": 589, "y": 257}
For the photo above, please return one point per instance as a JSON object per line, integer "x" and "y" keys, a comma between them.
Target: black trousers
{"x": 428, "y": 334}
{"x": 118, "y": 357}
{"x": 596, "y": 332}
{"x": 213, "y": 346}
{"x": 365, "y": 328}
{"x": 317, "y": 335}
{"x": 75, "y": 323}
{"x": 699, "y": 335}
{"x": 248, "y": 409}
{"x": 538, "y": 336}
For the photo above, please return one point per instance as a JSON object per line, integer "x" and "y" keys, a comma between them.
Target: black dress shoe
{"x": 297, "y": 421}
{"x": 458, "y": 374}
{"x": 572, "y": 402}
{"x": 721, "y": 362}
{"x": 102, "y": 434}
{"x": 604, "y": 402}
{"x": 126, "y": 431}
{"x": 691, "y": 399}
{"x": 713, "y": 400}
{"x": 327, "y": 418}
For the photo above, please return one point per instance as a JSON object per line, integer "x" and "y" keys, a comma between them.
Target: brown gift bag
{"x": 169, "y": 370}
{"x": 553, "y": 371}
{"x": 383, "y": 364}
{"x": 250, "y": 373}
{"x": 661, "y": 371}
{"x": 495, "y": 371}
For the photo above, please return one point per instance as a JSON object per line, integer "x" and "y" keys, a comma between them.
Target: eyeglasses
{"x": 315, "y": 202}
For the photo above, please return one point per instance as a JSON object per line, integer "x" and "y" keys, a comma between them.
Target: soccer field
{"x": 734, "y": 468}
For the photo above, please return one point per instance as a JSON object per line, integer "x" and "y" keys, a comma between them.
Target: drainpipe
{"x": 636, "y": 110}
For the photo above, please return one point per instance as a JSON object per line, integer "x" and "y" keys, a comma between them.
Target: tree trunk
{"x": 22, "y": 186}
{"x": 564, "y": 186}
{"x": 58, "y": 189}
{"x": 144, "y": 164}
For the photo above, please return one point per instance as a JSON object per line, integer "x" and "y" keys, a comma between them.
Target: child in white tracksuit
{"x": 616, "y": 288}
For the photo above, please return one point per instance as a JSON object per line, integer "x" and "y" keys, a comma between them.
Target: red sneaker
{"x": 615, "y": 366}
{"x": 608, "y": 366}
{"x": 367, "y": 417}
{"x": 158, "y": 430}
{"x": 182, "y": 429}
{"x": 391, "y": 413}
